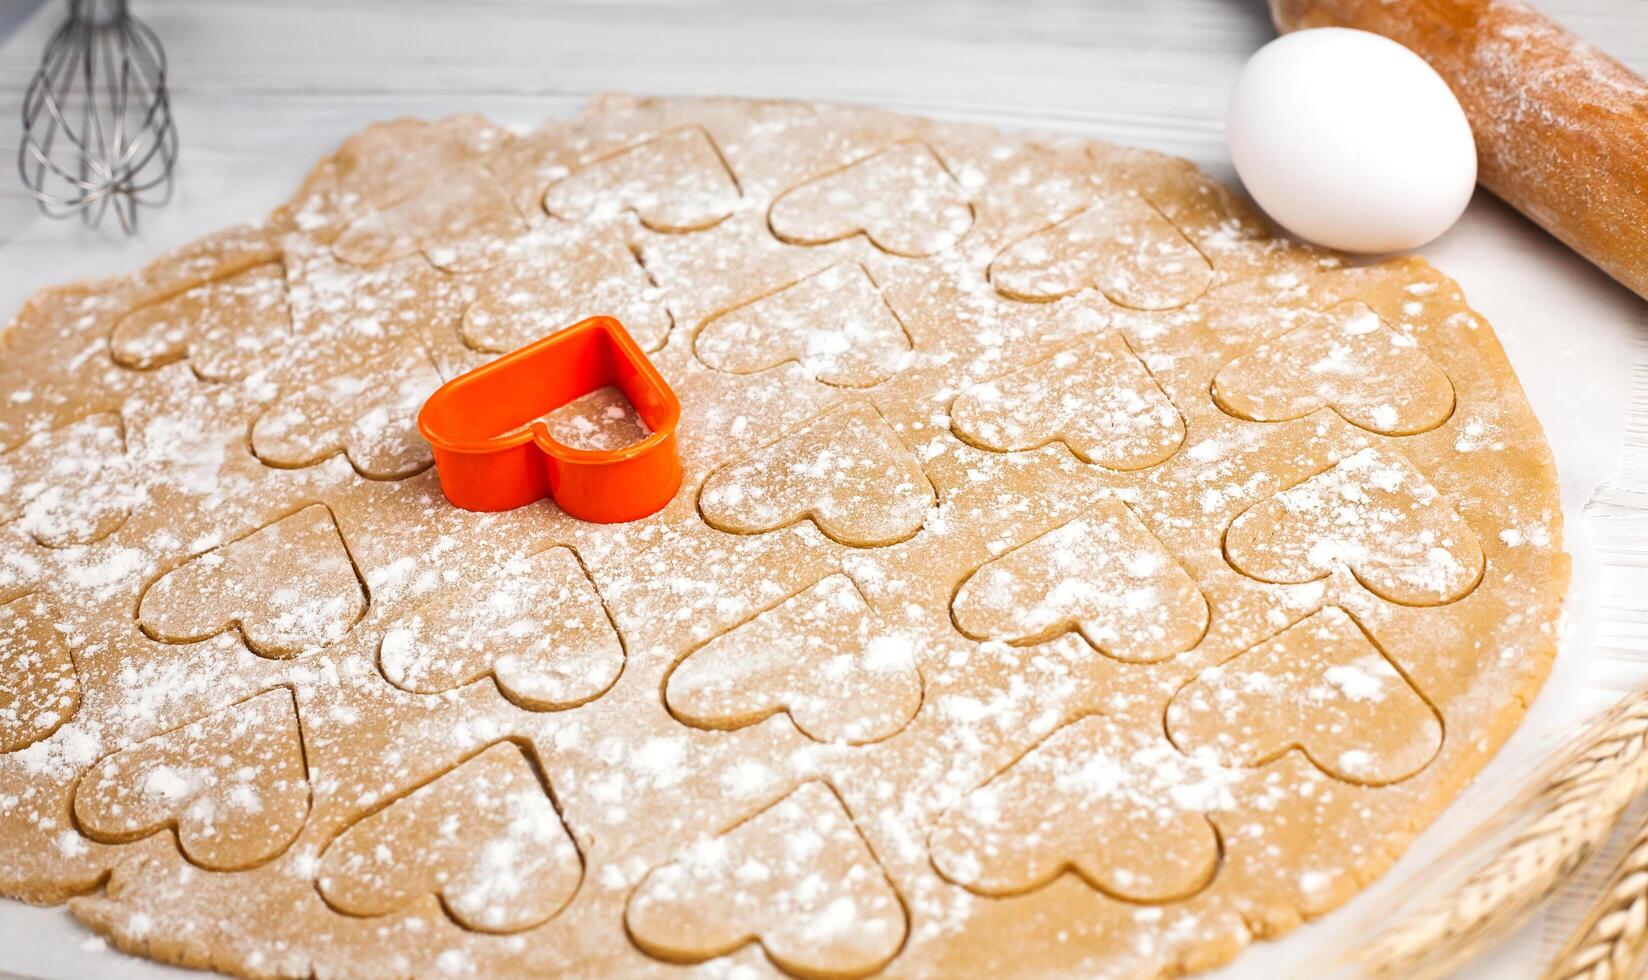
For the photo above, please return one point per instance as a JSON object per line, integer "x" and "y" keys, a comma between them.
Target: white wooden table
{"x": 262, "y": 88}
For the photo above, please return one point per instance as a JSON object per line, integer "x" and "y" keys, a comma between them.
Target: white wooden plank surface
{"x": 264, "y": 87}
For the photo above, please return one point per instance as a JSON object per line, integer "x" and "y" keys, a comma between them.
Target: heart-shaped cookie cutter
{"x": 494, "y": 452}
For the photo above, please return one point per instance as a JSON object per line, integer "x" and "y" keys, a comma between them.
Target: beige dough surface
{"x": 1068, "y": 579}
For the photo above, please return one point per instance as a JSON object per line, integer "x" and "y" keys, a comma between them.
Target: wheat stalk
{"x": 1612, "y": 939}
{"x": 1563, "y": 821}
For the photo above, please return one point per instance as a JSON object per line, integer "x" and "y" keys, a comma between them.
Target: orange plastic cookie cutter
{"x": 494, "y": 452}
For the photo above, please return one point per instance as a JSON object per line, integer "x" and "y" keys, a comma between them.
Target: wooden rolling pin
{"x": 1561, "y": 128}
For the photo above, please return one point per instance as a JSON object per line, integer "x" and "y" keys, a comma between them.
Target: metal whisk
{"x": 97, "y": 123}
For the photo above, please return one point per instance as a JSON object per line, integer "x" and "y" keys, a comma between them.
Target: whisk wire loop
{"x": 98, "y": 133}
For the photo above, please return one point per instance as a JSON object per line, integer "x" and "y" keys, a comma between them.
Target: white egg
{"x": 1349, "y": 140}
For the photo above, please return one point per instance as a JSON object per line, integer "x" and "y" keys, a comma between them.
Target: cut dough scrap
{"x": 368, "y": 412}
{"x": 462, "y": 223}
{"x": 536, "y": 625}
{"x": 69, "y": 486}
{"x": 901, "y": 198}
{"x": 1119, "y": 245}
{"x": 821, "y": 655}
{"x": 846, "y": 470}
{"x": 1321, "y": 686}
{"x": 1372, "y": 512}
{"x": 1104, "y": 575}
{"x": 674, "y": 182}
{"x": 233, "y": 785}
{"x": 1111, "y": 802}
{"x": 289, "y": 587}
{"x": 226, "y": 328}
{"x": 484, "y": 837}
{"x": 1345, "y": 359}
{"x": 798, "y": 878}
{"x": 835, "y": 324}
{"x": 552, "y": 279}
{"x": 1098, "y": 400}
{"x": 39, "y": 689}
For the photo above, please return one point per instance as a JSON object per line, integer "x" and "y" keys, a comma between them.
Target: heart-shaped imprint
{"x": 677, "y": 181}
{"x": 1120, "y": 245}
{"x": 485, "y": 838}
{"x": 1345, "y": 359}
{"x": 1098, "y": 400}
{"x": 835, "y": 324}
{"x": 289, "y": 587}
{"x": 462, "y": 223}
{"x": 820, "y": 655}
{"x": 846, "y": 470}
{"x": 1321, "y": 686}
{"x": 798, "y": 878}
{"x": 387, "y": 162}
{"x": 902, "y": 198}
{"x": 369, "y": 412}
{"x": 1104, "y": 575}
{"x": 342, "y": 311}
{"x": 39, "y": 689}
{"x": 223, "y": 327}
{"x": 1115, "y": 804}
{"x": 535, "y": 625}
{"x": 68, "y": 486}
{"x": 234, "y": 785}
{"x": 553, "y": 280}
{"x": 1372, "y": 512}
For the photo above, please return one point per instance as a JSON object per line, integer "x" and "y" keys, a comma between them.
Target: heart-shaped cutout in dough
{"x": 369, "y": 413}
{"x": 1321, "y": 686}
{"x": 69, "y": 486}
{"x": 1103, "y": 575}
{"x": 553, "y": 279}
{"x": 798, "y": 878}
{"x": 461, "y": 223}
{"x": 846, "y": 470}
{"x": 929, "y": 211}
{"x": 834, "y": 323}
{"x": 39, "y": 687}
{"x": 344, "y": 312}
{"x": 1372, "y": 512}
{"x": 822, "y": 656}
{"x": 389, "y": 161}
{"x": 1099, "y": 400}
{"x": 1348, "y": 360}
{"x": 484, "y": 838}
{"x": 1121, "y": 246}
{"x": 289, "y": 587}
{"x": 677, "y": 181}
{"x": 535, "y": 625}
{"x": 223, "y": 327}
{"x": 1114, "y": 804}
{"x": 234, "y": 785}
